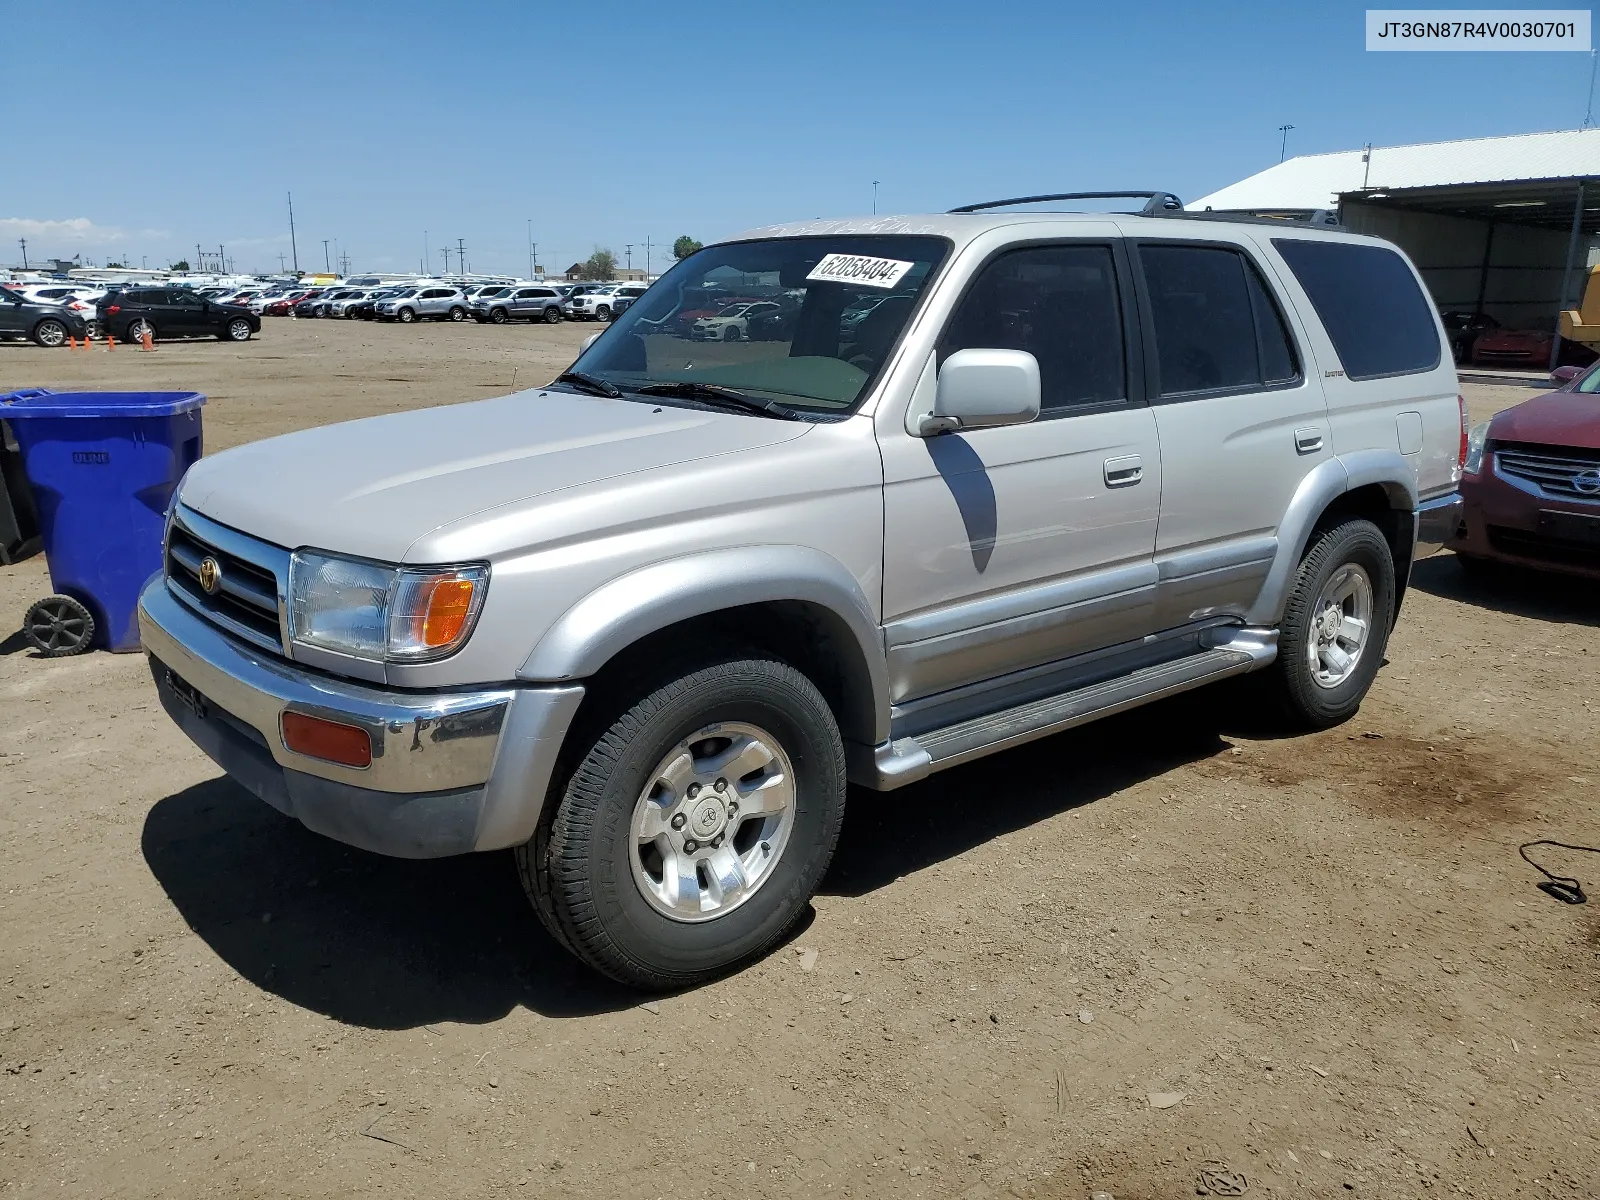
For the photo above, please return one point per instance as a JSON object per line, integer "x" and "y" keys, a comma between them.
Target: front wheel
{"x": 238, "y": 330}
{"x": 552, "y": 315}
{"x": 695, "y": 827}
{"x": 731, "y": 334}
{"x": 406, "y": 316}
{"x": 602, "y": 314}
{"x": 1335, "y": 625}
{"x": 499, "y": 316}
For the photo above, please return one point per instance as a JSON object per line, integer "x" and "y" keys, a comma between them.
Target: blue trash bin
{"x": 103, "y": 466}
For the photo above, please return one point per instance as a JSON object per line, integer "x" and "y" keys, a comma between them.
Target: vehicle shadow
{"x": 889, "y": 835}
{"x": 372, "y": 941}
{"x": 1517, "y": 591}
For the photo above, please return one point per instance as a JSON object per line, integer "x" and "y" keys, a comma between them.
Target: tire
{"x": 592, "y": 884}
{"x": 238, "y": 330}
{"x": 457, "y": 313}
{"x": 58, "y": 626}
{"x": 405, "y": 316}
{"x": 136, "y": 330}
{"x": 602, "y": 314}
{"x": 1350, "y": 555}
{"x": 731, "y": 334}
{"x": 499, "y": 316}
{"x": 552, "y": 315}
{"x": 49, "y": 332}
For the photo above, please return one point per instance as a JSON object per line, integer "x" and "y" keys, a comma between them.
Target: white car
{"x": 593, "y": 304}
{"x": 733, "y": 323}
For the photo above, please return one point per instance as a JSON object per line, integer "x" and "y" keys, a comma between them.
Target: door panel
{"x": 1013, "y": 547}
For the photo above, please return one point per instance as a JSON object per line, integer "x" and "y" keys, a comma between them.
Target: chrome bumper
{"x": 471, "y": 767}
{"x": 1437, "y": 520}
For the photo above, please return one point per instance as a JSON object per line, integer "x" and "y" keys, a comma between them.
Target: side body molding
{"x": 619, "y": 613}
{"x": 1321, "y": 487}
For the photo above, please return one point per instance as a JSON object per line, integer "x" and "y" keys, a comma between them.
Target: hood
{"x": 374, "y": 487}
{"x": 1554, "y": 419}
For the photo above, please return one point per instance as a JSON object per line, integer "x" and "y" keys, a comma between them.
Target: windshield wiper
{"x": 720, "y": 395}
{"x": 592, "y": 384}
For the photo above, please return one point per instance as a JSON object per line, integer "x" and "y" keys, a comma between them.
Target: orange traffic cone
{"x": 146, "y": 341}
{"x": 72, "y": 342}
{"x": 111, "y": 341}
{"x": 86, "y": 341}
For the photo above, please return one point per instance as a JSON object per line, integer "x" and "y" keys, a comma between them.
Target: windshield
{"x": 1590, "y": 382}
{"x": 775, "y": 319}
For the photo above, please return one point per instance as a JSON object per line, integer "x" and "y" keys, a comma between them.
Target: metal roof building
{"x": 1497, "y": 225}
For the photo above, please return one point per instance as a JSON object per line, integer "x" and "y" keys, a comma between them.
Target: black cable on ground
{"x": 1562, "y": 887}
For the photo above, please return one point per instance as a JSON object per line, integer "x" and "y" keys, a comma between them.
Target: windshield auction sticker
{"x": 859, "y": 268}
{"x": 1477, "y": 29}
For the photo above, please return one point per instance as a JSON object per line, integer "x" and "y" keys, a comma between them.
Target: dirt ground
{"x": 1114, "y": 960}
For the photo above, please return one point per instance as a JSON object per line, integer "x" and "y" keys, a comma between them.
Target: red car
{"x": 1525, "y": 348}
{"x": 281, "y": 306}
{"x": 1530, "y": 489}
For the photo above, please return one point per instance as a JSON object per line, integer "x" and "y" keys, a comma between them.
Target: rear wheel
{"x": 696, "y": 825}
{"x": 552, "y": 315}
{"x": 50, "y": 332}
{"x": 1335, "y": 625}
{"x": 457, "y": 313}
{"x": 238, "y": 330}
{"x": 138, "y": 329}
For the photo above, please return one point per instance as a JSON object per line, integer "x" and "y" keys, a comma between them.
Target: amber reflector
{"x": 446, "y": 604}
{"x": 327, "y": 740}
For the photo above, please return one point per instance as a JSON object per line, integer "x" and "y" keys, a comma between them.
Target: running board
{"x": 906, "y": 760}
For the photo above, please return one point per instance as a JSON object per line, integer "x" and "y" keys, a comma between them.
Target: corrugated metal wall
{"x": 1523, "y": 284}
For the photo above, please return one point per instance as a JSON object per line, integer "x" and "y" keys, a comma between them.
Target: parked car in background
{"x": 590, "y": 302}
{"x": 1530, "y": 488}
{"x": 1526, "y": 348}
{"x": 364, "y": 309}
{"x": 169, "y": 312}
{"x": 424, "y": 303}
{"x": 730, "y": 324}
{"x": 624, "y": 296}
{"x": 45, "y": 323}
{"x": 525, "y": 302}
{"x": 283, "y": 304}
{"x": 1463, "y": 329}
{"x": 341, "y": 305}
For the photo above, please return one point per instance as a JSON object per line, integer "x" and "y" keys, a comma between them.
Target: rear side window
{"x": 1216, "y": 326}
{"x": 1060, "y": 304}
{"x": 1370, "y": 304}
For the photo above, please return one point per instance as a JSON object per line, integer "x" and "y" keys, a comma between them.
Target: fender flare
{"x": 617, "y": 614}
{"x": 1324, "y": 484}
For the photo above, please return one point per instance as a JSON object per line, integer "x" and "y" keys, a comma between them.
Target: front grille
{"x": 1542, "y": 547}
{"x": 245, "y": 599}
{"x": 1556, "y": 470}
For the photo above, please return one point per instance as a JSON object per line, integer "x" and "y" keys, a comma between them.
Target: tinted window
{"x": 1278, "y": 364}
{"x": 1204, "y": 326}
{"x": 1060, "y": 304}
{"x": 1370, "y": 304}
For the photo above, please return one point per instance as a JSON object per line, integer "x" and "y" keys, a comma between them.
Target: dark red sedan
{"x": 1531, "y": 486}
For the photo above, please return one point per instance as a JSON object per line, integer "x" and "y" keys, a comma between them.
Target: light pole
{"x": 530, "y": 247}
{"x": 1283, "y": 146}
{"x": 874, "y": 197}
{"x": 326, "y": 264}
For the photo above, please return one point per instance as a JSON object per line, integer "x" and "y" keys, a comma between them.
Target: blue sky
{"x": 610, "y": 123}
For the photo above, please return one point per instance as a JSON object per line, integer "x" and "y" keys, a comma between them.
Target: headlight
{"x": 382, "y": 613}
{"x": 1477, "y": 436}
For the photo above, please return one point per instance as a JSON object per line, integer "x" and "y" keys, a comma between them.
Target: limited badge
{"x": 859, "y": 268}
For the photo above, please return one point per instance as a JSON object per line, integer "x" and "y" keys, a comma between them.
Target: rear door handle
{"x": 1125, "y": 471}
{"x": 1307, "y": 441}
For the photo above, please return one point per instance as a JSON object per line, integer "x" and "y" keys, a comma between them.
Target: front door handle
{"x": 1125, "y": 471}
{"x": 1307, "y": 441}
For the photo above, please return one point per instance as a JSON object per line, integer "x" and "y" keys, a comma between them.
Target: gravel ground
{"x": 1118, "y": 959}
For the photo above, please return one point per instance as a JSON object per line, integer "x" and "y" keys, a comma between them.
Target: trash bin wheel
{"x": 58, "y": 626}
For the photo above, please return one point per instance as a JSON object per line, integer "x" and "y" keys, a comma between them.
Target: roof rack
{"x": 1155, "y": 202}
{"x": 1324, "y": 217}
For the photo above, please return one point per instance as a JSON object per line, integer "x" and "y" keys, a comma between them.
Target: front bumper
{"x": 1509, "y": 522}
{"x": 1437, "y": 520}
{"x": 451, "y": 771}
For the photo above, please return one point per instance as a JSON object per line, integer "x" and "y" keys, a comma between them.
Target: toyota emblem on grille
{"x": 210, "y": 575}
{"x": 1587, "y": 482}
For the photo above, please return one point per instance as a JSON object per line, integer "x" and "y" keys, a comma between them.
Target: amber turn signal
{"x": 330, "y": 741}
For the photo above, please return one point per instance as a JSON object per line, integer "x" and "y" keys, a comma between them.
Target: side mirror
{"x": 1567, "y": 374}
{"x": 589, "y": 341}
{"x": 979, "y": 389}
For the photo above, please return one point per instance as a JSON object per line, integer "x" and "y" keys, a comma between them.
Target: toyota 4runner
{"x": 643, "y": 624}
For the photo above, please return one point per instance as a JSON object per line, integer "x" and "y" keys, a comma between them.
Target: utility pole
{"x": 533, "y": 259}
{"x": 1283, "y": 146}
{"x": 24, "y": 244}
{"x": 222, "y": 259}
{"x": 1588, "y": 113}
{"x": 326, "y": 265}
{"x": 629, "y": 249}
{"x": 461, "y": 255}
{"x": 280, "y": 262}
{"x": 199, "y": 259}
{"x": 647, "y": 258}
{"x": 293, "y": 248}
{"x": 446, "y": 252}
{"x": 530, "y": 247}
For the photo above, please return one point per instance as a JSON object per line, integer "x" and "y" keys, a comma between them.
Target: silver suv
{"x": 643, "y": 624}
{"x": 435, "y": 301}
{"x": 521, "y": 302}
{"x": 592, "y": 303}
